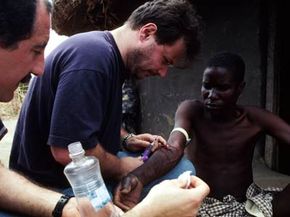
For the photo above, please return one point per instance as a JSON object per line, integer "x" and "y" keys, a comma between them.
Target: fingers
{"x": 161, "y": 140}
{"x": 117, "y": 201}
{"x": 185, "y": 179}
{"x": 200, "y": 186}
{"x": 158, "y": 142}
{"x": 141, "y": 141}
{"x": 128, "y": 192}
{"x": 123, "y": 188}
{"x": 127, "y": 184}
{"x": 197, "y": 185}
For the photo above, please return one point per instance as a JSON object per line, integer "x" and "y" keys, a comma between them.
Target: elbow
{"x": 60, "y": 155}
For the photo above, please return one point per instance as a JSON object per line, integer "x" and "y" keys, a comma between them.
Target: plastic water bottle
{"x": 84, "y": 175}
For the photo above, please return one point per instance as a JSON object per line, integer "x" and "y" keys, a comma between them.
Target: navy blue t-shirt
{"x": 79, "y": 98}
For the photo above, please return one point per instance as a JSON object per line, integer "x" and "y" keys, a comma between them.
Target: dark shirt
{"x": 79, "y": 98}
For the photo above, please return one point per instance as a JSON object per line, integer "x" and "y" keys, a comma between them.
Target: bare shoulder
{"x": 258, "y": 114}
{"x": 189, "y": 109}
{"x": 255, "y": 110}
{"x": 191, "y": 105}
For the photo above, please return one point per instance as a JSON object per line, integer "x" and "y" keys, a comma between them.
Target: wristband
{"x": 124, "y": 141}
{"x": 183, "y": 131}
{"x": 57, "y": 212}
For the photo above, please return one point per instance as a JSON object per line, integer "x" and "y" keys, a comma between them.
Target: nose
{"x": 163, "y": 71}
{"x": 38, "y": 67}
{"x": 212, "y": 94}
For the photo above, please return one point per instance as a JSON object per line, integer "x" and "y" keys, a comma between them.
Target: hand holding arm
{"x": 139, "y": 142}
{"x": 153, "y": 168}
{"x": 127, "y": 193}
{"x": 170, "y": 199}
{"x": 174, "y": 150}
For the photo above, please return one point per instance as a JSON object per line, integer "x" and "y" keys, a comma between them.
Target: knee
{"x": 187, "y": 165}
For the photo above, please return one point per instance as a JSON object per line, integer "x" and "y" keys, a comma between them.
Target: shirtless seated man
{"x": 224, "y": 136}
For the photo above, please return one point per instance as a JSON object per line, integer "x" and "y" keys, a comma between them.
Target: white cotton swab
{"x": 185, "y": 177}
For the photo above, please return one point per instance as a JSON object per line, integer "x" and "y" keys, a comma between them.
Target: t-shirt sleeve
{"x": 78, "y": 110}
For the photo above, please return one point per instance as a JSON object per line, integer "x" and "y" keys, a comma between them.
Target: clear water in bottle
{"x": 87, "y": 183}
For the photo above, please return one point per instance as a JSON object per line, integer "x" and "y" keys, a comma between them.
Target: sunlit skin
{"x": 154, "y": 59}
{"x": 17, "y": 64}
{"x": 142, "y": 55}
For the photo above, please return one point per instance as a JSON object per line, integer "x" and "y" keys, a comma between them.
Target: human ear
{"x": 147, "y": 31}
{"x": 241, "y": 87}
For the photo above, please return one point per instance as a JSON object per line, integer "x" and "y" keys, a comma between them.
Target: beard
{"x": 139, "y": 62}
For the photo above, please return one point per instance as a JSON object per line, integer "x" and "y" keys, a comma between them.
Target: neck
{"x": 226, "y": 115}
{"x": 125, "y": 39}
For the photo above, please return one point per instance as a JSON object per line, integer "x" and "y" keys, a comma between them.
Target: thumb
{"x": 184, "y": 179}
{"x": 128, "y": 184}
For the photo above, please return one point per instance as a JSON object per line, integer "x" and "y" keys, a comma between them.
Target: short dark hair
{"x": 175, "y": 19}
{"x": 230, "y": 61}
{"x": 17, "y": 19}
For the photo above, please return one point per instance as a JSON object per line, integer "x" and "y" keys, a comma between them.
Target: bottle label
{"x": 99, "y": 197}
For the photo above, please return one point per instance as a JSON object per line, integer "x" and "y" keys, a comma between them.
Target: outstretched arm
{"x": 111, "y": 166}
{"x": 179, "y": 201}
{"x": 128, "y": 191}
{"x": 166, "y": 158}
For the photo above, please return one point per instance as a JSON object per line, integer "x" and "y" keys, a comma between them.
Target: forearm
{"x": 162, "y": 160}
{"x": 158, "y": 164}
{"x": 20, "y": 195}
{"x": 110, "y": 164}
